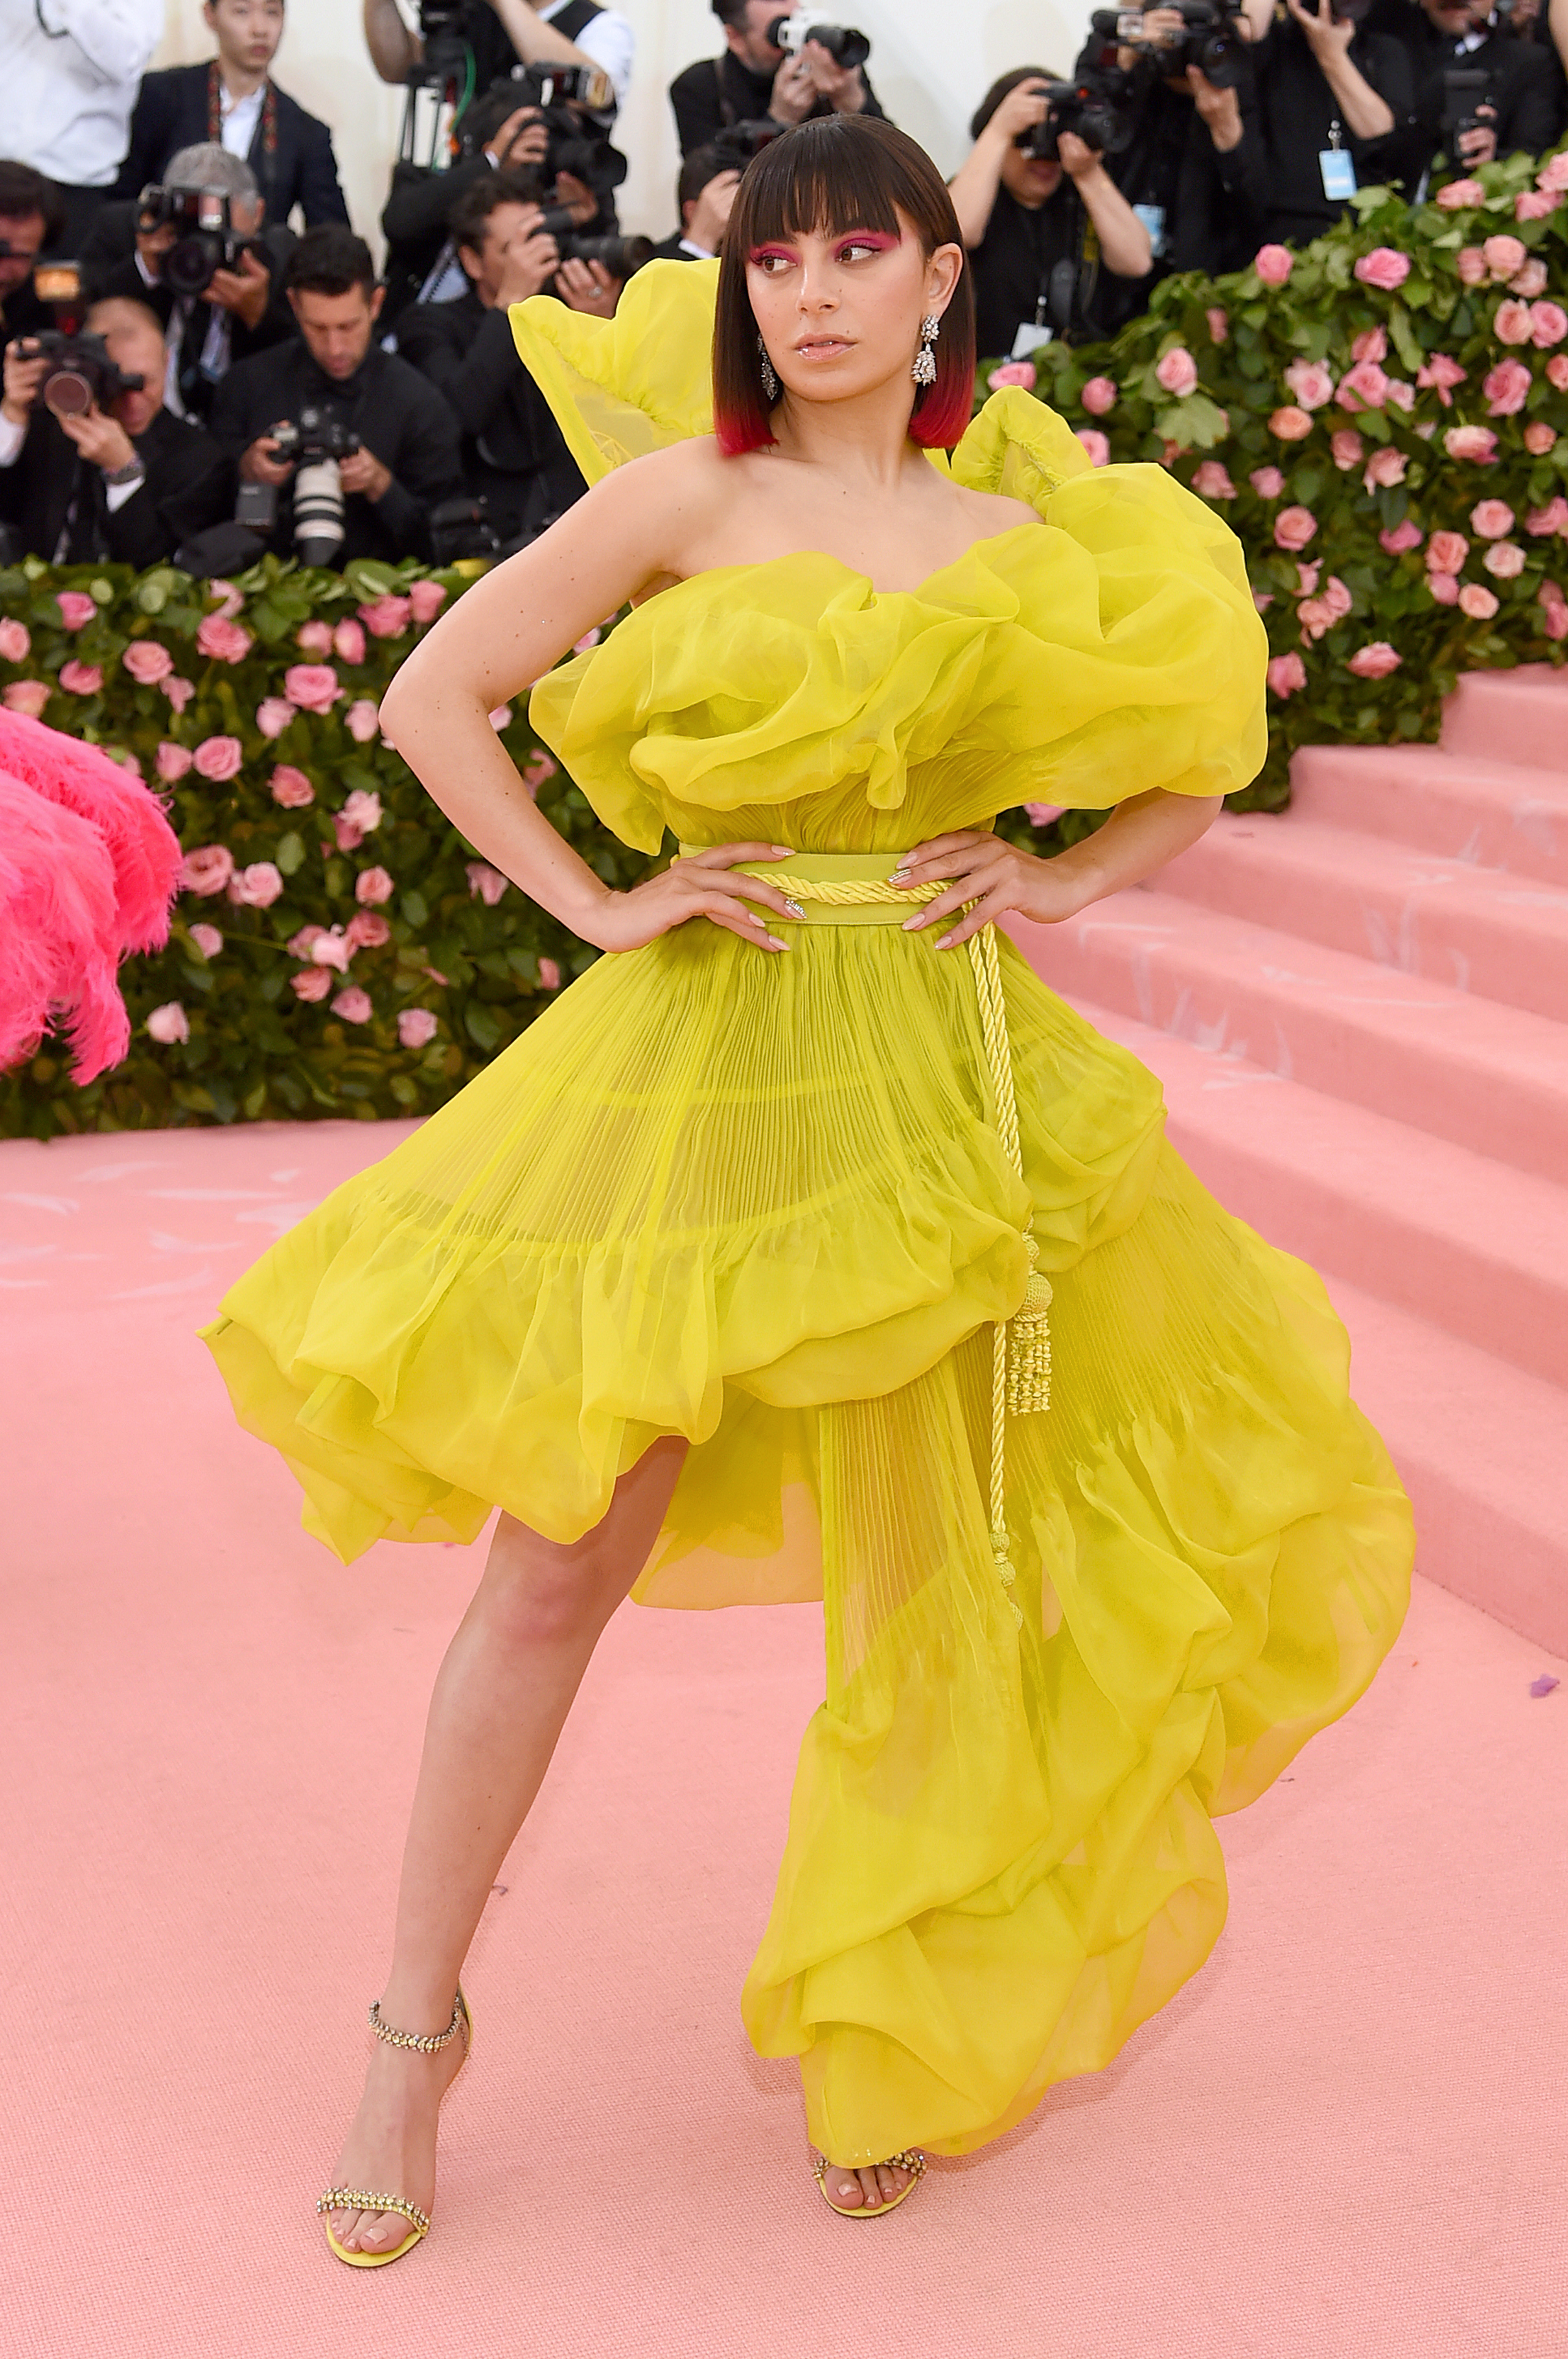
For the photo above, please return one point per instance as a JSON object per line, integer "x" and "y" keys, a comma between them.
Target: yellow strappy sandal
{"x": 360, "y": 2198}
{"x": 909, "y": 2160}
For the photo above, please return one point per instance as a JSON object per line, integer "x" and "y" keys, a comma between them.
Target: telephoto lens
{"x": 317, "y": 511}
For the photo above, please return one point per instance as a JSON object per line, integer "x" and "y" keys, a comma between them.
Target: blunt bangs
{"x": 838, "y": 172}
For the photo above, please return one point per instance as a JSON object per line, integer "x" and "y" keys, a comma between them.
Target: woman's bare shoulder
{"x": 995, "y": 512}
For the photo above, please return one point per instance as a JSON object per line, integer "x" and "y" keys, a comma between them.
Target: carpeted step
{"x": 1474, "y": 807}
{"x": 1510, "y": 716}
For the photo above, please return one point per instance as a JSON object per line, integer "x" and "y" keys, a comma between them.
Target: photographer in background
{"x": 31, "y": 217}
{"x": 1040, "y": 228}
{"x": 705, "y": 194}
{"x": 219, "y": 293}
{"x": 118, "y": 477}
{"x": 758, "y": 78}
{"x": 408, "y": 457}
{"x": 234, "y": 102}
{"x": 513, "y": 454}
{"x": 1334, "y": 99}
{"x": 1480, "y": 92}
{"x": 502, "y": 33}
{"x": 69, "y": 72}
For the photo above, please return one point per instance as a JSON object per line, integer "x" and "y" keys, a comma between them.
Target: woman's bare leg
{"x": 501, "y": 1698}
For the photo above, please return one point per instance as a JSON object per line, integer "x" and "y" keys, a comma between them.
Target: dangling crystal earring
{"x": 924, "y": 368}
{"x": 770, "y": 381}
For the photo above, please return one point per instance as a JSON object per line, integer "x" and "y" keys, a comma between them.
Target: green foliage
{"x": 1475, "y": 304}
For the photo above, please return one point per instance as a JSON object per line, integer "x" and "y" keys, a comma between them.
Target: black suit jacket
{"x": 190, "y": 485}
{"x": 513, "y": 452}
{"x": 115, "y": 231}
{"x": 1526, "y": 90}
{"x": 172, "y": 112}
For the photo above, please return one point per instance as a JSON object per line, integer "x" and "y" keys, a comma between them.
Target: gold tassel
{"x": 1029, "y": 1341}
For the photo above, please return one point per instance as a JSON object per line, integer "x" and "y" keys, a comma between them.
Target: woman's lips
{"x": 817, "y": 348}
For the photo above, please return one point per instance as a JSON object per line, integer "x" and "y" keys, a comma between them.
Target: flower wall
{"x": 1383, "y": 419}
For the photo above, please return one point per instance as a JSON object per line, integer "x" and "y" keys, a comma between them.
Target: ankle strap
{"x": 426, "y": 2042}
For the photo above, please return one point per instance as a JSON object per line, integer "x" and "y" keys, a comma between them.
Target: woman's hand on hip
{"x": 702, "y": 885}
{"x": 995, "y": 877}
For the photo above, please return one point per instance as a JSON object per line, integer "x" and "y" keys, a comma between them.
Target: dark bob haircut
{"x": 837, "y": 172}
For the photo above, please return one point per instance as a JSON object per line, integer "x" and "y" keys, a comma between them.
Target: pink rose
{"x": 416, "y": 1027}
{"x": 1042, "y": 814}
{"x": 1441, "y": 373}
{"x": 272, "y": 715}
{"x": 1504, "y": 255}
{"x": 1386, "y": 467}
{"x": 1402, "y": 394}
{"x": 1553, "y": 173}
{"x": 178, "y": 692}
{"x": 1507, "y": 387}
{"x": 1095, "y": 445}
{"x": 1337, "y": 598}
{"x": 1219, "y": 324}
{"x": 232, "y": 599}
{"x": 79, "y": 679}
{"x": 1293, "y": 528}
{"x": 1307, "y": 577}
{"x": 386, "y": 617}
{"x": 1315, "y": 619}
{"x": 333, "y": 949}
{"x": 220, "y": 757}
{"x": 1446, "y": 552}
{"x": 1531, "y": 279}
{"x": 349, "y": 834}
{"x": 257, "y": 887}
{"x": 207, "y": 939}
{"x": 485, "y": 883}
{"x": 367, "y": 932}
{"x": 15, "y": 640}
{"x": 75, "y": 608}
{"x": 1310, "y": 382}
{"x": 1289, "y": 424}
{"x": 1274, "y": 265}
{"x": 372, "y": 886}
{"x": 362, "y": 719}
{"x": 1539, "y": 437}
{"x": 207, "y": 870}
{"x": 28, "y": 696}
{"x": 1364, "y": 386}
{"x": 1554, "y": 620}
{"x": 1402, "y": 537}
{"x": 354, "y": 1006}
{"x": 501, "y": 718}
{"x": 590, "y": 639}
{"x": 1178, "y": 372}
{"x": 223, "y": 641}
{"x": 168, "y": 1023}
{"x": 1348, "y": 448}
{"x": 1557, "y": 371}
{"x": 1170, "y": 451}
{"x": 1262, "y": 600}
{"x": 172, "y": 762}
{"x": 1553, "y": 518}
{"x": 128, "y": 762}
{"x": 1375, "y": 661}
{"x": 1371, "y": 344}
{"x": 426, "y": 599}
{"x": 1266, "y": 482}
{"x": 147, "y": 662}
{"x": 1478, "y": 603}
{"x": 537, "y": 770}
{"x": 292, "y": 787}
{"x": 1504, "y": 559}
{"x": 298, "y": 945}
{"x": 348, "y": 641}
{"x": 1474, "y": 442}
{"x": 1211, "y": 482}
{"x": 1534, "y": 205}
{"x": 1444, "y": 588}
{"x": 1471, "y": 264}
{"x": 1510, "y": 321}
{"x": 1014, "y": 373}
{"x": 1460, "y": 193}
{"x": 315, "y": 637}
{"x": 1490, "y": 519}
{"x": 315, "y": 686}
{"x": 1548, "y": 324}
{"x": 1099, "y": 396}
{"x": 1384, "y": 267}
{"x": 1287, "y": 674}
{"x": 311, "y": 983}
{"x": 549, "y": 973}
{"x": 362, "y": 810}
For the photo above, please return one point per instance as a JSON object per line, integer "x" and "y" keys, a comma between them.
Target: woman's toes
{"x": 871, "y": 2193}
{"x": 342, "y": 2225}
{"x": 846, "y": 2190}
{"x": 889, "y": 2180}
{"x": 379, "y": 2229}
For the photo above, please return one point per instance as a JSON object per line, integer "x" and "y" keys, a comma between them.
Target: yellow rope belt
{"x": 853, "y": 888}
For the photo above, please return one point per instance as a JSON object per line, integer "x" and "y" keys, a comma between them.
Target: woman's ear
{"x": 942, "y": 276}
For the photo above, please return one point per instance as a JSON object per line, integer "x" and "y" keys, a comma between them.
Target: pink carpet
{"x": 1348, "y": 2137}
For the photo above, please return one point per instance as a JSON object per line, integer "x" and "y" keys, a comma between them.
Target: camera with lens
{"x": 736, "y": 144}
{"x": 208, "y": 241}
{"x": 843, "y": 43}
{"x": 80, "y": 373}
{"x": 1466, "y": 89}
{"x": 314, "y": 444}
{"x": 1210, "y": 38}
{"x": 576, "y": 145}
{"x": 1087, "y": 108}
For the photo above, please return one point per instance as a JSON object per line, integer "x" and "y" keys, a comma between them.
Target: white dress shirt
{"x": 68, "y": 74}
{"x": 241, "y": 116}
{"x": 607, "y": 38}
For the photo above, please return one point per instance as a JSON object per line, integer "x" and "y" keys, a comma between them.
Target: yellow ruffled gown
{"x": 761, "y": 1201}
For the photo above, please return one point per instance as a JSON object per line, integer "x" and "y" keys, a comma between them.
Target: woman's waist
{"x": 836, "y": 888}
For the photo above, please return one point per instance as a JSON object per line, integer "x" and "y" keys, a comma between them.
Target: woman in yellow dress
{"x": 738, "y": 1278}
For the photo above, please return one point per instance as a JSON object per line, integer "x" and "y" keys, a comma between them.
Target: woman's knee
{"x": 535, "y": 1594}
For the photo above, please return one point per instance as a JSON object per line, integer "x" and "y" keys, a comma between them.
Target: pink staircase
{"x": 1360, "y": 1012}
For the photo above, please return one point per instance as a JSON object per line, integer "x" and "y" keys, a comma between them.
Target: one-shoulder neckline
{"x": 826, "y": 557}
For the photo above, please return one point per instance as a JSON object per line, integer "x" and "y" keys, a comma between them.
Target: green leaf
{"x": 481, "y": 1025}
{"x": 289, "y": 854}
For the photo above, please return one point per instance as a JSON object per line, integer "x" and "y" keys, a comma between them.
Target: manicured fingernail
{"x": 945, "y": 943}
{"x": 774, "y": 943}
{"x": 911, "y": 923}
{"x": 783, "y": 850}
{"x": 793, "y": 907}
{"x": 899, "y": 876}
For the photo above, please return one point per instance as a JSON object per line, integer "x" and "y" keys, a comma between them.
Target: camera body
{"x": 313, "y": 444}
{"x": 843, "y": 43}
{"x": 1210, "y": 38}
{"x": 1087, "y": 107}
{"x": 316, "y": 434}
{"x": 80, "y": 373}
{"x": 1466, "y": 89}
{"x": 736, "y": 144}
{"x": 208, "y": 241}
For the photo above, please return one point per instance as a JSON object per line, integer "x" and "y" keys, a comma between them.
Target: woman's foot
{"x": 870, "y": 2189}
{"x": 391, "y": 2145}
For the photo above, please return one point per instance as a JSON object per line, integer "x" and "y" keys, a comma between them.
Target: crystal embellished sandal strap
{"x": 910, "y": 2159}
{"x": 360, "y": 2199}
{"x": 426, "y": 2042}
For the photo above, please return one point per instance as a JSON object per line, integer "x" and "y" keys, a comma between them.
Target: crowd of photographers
{"x": 201, "y": 360}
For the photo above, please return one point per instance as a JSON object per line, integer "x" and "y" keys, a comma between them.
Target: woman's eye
{"x": 856, "y": 246}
